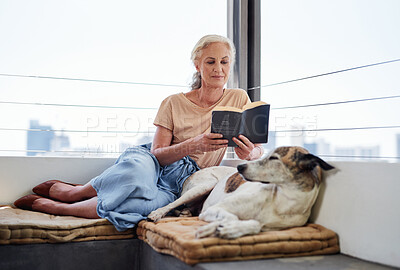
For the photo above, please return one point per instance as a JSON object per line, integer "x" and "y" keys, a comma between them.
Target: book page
{"x": 253, "y": 105}
{"x": 227, "y": 108}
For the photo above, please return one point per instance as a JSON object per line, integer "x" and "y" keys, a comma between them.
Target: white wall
{"x": 360, "y": 202}
{"x": 18, "y": 175}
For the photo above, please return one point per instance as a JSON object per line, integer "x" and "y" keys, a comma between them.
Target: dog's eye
{"x": 273, "y": 157}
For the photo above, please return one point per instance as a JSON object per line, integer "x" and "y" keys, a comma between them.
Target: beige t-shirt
{"x": 187, "y": 120}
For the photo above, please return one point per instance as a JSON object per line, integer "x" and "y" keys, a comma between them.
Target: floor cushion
{"x": 176, "y": 236}
{"x": 19, "y": 226}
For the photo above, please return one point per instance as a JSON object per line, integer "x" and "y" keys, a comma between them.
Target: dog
{"x": 273, "y": 193}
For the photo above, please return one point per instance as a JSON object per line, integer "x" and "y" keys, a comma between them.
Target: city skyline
{"x": 53, "y": 143}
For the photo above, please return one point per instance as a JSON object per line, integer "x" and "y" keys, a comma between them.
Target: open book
{"x": 251, "y": 121}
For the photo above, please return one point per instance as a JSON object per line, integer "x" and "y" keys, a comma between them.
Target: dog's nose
{"x": 241, "y": 168}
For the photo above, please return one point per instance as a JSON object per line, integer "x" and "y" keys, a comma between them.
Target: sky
{"x": 134, "y": 41}
{"x": 150, "y": 42}
{"x": 305, "y": 38}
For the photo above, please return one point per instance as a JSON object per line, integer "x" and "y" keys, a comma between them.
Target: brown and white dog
{"x": 272, "y": 193}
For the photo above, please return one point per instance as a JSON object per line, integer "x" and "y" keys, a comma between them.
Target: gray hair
{"x": 197, "y": 51}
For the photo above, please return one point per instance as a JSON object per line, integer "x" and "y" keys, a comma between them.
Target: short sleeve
{"x": 240, "y": 98}
{"x": 245, "y": 98}
{"x": 164, "y": 115}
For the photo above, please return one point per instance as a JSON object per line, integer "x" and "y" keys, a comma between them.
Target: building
{"x": 271, "y": 144}
{"x": 42, "y": 138}
{"x": 60, "y": 142}
{"x": 39, "y": 138}
{"x": 297, "y": 136}
{"x": 398, "y": 144}
{"x": 311, "y": 147}
{"x": 318, "y": 147}
{"x": 357, "y": 152}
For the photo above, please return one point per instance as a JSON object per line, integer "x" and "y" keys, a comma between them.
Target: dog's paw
{"x": 238, "y": 228}
{"x": 216, "y": 214}
{"x": 228, "y": 230}
{"x": 207, "y": 230}
{"x": 185, "y": 213}
{"x": 156, "y": 215}
{"x": 182, "y": 213}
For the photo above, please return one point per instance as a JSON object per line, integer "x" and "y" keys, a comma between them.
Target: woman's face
{"x": 214, "y": 65}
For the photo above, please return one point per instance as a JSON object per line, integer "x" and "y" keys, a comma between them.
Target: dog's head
{"x": 286, "y": 165}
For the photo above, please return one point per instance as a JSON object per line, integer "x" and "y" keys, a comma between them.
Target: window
{"x": 99, "y": 69}
{"x": 300, "y": 39}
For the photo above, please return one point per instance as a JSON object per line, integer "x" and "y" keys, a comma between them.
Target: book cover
{"x": 251, "y": 121}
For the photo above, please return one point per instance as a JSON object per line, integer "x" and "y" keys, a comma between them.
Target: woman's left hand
{"x": 246, "y": 149}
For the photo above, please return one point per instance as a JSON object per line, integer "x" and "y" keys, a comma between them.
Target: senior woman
{"x": 150, "y": 176}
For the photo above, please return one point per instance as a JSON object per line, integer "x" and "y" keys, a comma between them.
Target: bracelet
{"x": 260, "y": 148}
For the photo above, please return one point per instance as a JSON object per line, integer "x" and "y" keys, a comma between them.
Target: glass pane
{"x": 137, "y": 53}
{"x": 301, "y": 39}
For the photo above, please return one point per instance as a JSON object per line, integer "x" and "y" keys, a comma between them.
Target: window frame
{"x": 244, "y": 28}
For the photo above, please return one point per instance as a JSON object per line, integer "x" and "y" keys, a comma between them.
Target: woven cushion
{"x": 176, "y": 236}
{"x": 25, "y": 227}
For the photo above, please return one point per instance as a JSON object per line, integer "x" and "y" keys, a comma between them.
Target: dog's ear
{"x": 309, "y": 161}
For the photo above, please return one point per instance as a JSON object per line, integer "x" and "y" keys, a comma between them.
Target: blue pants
{"x": 136, "y": 185}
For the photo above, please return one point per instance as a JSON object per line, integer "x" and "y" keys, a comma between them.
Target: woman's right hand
{"x": 167, "y": 153}
{"x": 208, "y": 142}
